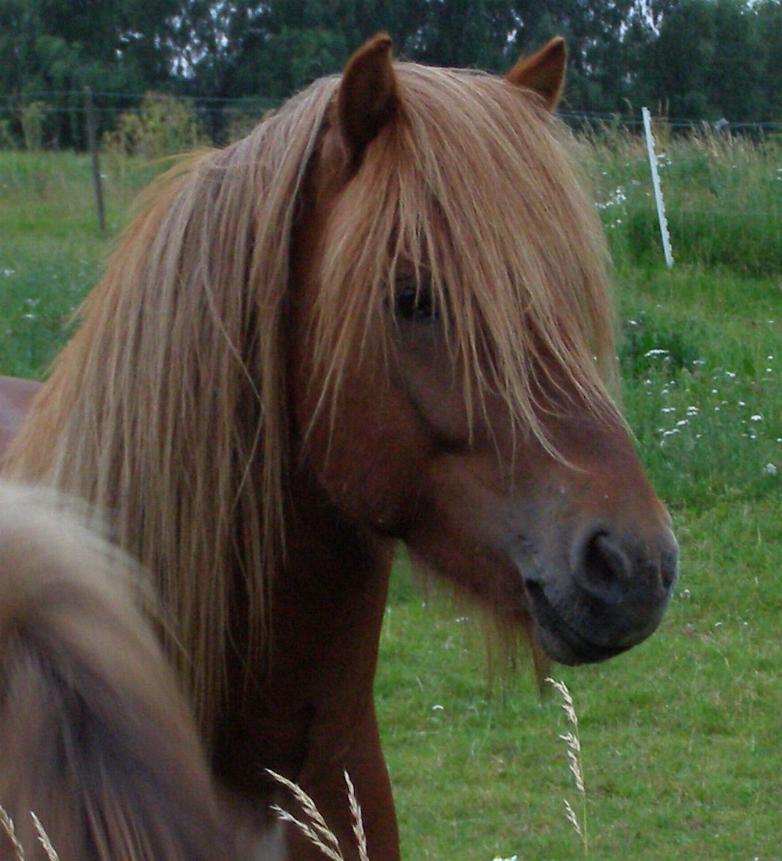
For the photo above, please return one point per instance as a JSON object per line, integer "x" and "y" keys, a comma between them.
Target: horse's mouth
{"x": 559, "y": 639}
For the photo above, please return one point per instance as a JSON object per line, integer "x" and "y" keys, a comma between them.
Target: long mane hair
{"x": 167, "y": 410}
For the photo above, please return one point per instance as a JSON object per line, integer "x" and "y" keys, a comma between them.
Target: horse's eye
{"x": 414, "y": 304}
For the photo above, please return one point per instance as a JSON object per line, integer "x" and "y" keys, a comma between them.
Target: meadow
{"x": 681, "y": 736}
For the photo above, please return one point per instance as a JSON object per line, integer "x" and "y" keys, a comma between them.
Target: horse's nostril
{"x": 603, "y": 569}
{"x": 611, "y": 570}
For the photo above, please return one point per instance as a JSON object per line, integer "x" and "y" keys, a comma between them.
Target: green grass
{"x": 51, "y": 249}
{"x": 723, "y": 198}
{"x": 702, "y": 363}
{"x": 681, "y": 735}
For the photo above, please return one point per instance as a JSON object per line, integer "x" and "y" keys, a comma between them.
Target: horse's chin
{"x": 559, "y": 639}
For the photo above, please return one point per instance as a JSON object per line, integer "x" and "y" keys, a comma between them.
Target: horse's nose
{"x": 613, "y": 569}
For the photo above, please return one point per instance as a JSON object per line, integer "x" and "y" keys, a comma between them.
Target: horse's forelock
{"x": 475, "y": 184}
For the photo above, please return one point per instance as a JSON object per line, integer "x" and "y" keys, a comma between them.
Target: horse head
{"x": 452, "y": 351}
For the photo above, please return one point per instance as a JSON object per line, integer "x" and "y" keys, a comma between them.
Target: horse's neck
{"x": 333, "y": 590}
{"x": 327, "y": 611}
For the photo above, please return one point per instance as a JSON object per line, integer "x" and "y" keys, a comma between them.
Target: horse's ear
{"x": 367, "y": 95}
{"x": 543, "y": 72}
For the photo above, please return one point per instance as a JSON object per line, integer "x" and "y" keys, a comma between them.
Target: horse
{"x": 384, "y": 316}
{"x": 69, "y": 627}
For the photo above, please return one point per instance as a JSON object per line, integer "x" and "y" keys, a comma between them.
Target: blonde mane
{"x": 167, "y": 410}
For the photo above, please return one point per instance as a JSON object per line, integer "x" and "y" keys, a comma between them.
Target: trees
{"x": 769, "y": 24}
{"x": 46, "y": 46}
{"x": 694, "y": 58}
{"x": 678, "y": 60}
{"x": 49, "y": 44}
{"x": 715, "y": 58}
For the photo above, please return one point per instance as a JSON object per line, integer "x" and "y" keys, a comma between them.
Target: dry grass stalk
{"x": 7, "y": 825}
{"x": 310, "y": 833}
{"x": 51, "y": 854}
{"x": 358, "y": 822}
{"x": 571, "y": 817}
{"x": 317, "y": 832}
{"x": 573, "y": 746}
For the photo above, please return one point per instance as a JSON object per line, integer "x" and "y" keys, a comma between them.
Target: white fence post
{"x": 658, "y": 193}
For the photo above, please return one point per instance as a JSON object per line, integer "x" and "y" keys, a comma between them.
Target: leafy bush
{"x": 32, "y": 117}
{"x": 162, "y": 125}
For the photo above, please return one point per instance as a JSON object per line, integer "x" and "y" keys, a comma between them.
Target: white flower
{"x": 770, "y": 469}
{"x": 756, "y": 418}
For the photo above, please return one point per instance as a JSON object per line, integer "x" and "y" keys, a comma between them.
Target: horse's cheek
{"x": 372, "y": 461}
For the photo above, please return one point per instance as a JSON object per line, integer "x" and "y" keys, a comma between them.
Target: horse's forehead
{"x": 328, "y": 174}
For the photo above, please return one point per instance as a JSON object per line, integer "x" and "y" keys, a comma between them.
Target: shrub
{"x": 162, "y": 125}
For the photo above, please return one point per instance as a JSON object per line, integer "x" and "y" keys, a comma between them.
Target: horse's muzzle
{"x": 605, "y": 595}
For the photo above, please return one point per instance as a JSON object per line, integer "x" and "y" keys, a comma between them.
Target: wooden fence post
{"x": 89, "y": 109}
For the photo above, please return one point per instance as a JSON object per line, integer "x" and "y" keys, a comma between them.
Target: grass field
{"x": 681, "y": 737}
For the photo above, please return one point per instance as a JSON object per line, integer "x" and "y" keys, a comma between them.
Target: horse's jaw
{"x": 560, "y": 627}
